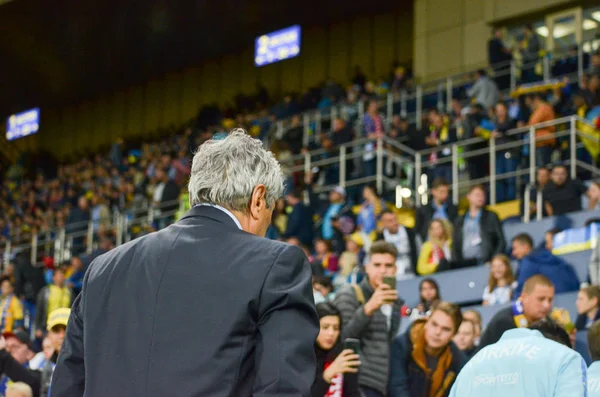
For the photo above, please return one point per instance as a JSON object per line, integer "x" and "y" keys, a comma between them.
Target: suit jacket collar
{"x": 212, "y": 213}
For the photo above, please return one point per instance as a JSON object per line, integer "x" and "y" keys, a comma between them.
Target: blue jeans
{"x": 506, "y": 189}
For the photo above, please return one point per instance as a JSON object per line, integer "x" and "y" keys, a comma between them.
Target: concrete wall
{"x": 451, "y": 35}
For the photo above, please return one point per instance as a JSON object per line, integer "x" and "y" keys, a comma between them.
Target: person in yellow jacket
{"x": 436, "y": 249}
{"x": 11, "y": 306}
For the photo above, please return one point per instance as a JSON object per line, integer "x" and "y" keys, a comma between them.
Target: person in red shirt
{"x": 336, "y": 368}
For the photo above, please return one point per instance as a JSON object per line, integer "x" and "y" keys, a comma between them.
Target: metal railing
{"x": 388, "y": 149}
{"x": 410, "y": 104}
{"x": 82, "y": 238}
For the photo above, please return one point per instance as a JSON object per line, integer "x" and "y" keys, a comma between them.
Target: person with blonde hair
{"x": 19, "y": 389}
{"x": 437, "y": 249}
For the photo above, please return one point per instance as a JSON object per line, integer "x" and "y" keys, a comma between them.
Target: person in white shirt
{"x": 406, "y": 242}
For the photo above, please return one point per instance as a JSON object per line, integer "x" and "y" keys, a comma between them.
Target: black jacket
{"x": 412, "y": 241}
{"x": 502, "y": 321}
{"x": 424, "y": 216}
{"x": 492, "y": 238}
{"x": 200, "y": 305}
{"x": 300, "y": 224}
{"x": 320, "y": 387}
{"x": 581, "y": 321}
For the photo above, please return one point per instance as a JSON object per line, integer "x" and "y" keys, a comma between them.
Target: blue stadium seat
{"x": 537, "y": 229}
{"x": 460, "y": 286}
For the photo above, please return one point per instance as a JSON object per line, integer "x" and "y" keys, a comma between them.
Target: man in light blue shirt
{"x": 594, "y": 369}
{"x": 525, "y": 363}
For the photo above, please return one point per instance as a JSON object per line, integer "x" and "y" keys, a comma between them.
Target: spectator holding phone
{"x": 371, "y": 313}
{"x": 336, "y": 368}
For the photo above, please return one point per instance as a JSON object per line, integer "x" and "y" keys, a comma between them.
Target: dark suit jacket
{"x": 200, "y": 308}
{"x": 492, "y": 238}
{"x": 424, "y": 216}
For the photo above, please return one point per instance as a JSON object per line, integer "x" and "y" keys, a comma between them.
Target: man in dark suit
{"x": 207, "y": 306}
{"x": 438, "y": 208}
{"x": 478, "y": 234}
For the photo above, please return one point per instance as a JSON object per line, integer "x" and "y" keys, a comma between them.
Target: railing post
{"x": 361, "y": 109}
{"x": 538, "y": 205}
{"x": 455, "y": 196}
{"x": 280, "y": 130}
{"x": 343, "y": 166}
{"x": 403, "y": 103}
{"x": 306, "y": 123}
{"x": 546, "y": 67}
{"x": 573, "y": 146}
{"x": 513, "y": 75}
{"x": 419, "y": 100}
{"x": 307, "y": 162}
{"x": 90, "y": 238}
{"x": 389, "y": 109}
{"x": 448, "y": 94}
{"x": 119, "y": 225}
{"x": 532, "y": 154}
{"x": 379, "y": 177}
{"x": 493, "y": 171}
{"x": 527, "y": 204}
{"x": 580, "y": 60}
{"x": 418, "y": 178}
{"x": 59, "y": 245}
{"x": 440, "y": 101}
{"x": 34, "y": 248}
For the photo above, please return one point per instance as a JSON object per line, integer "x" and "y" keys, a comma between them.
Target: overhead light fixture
{"x": 542, "y": 31}
{"x": 596, "y": 15}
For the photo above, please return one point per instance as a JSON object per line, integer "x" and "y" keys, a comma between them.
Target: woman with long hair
{"x": 370, "y": 210}
{"x": 437, "y": 249}
{"x": 500, "y": 284}
{"x": 336, "y": 368}
{"x": 429, "y": 295}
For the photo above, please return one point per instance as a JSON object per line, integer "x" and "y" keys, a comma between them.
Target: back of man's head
{"x": 594, "y": 340}
{"x": 551, "y": 330}
{"x": 226, "y": 172}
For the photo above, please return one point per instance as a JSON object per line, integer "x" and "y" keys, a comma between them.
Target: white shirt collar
{"x": 225, "y": 210}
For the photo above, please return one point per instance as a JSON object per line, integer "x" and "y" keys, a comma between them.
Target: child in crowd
{"x": 500, "y": 285}
{"x": 475, "y": 317}
{"x": 322, "y": 289}
{"x": 324, "y": 258}
{"x": 465, "y": 338}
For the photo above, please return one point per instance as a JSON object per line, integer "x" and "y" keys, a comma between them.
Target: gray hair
{"x": 225, "y": 172}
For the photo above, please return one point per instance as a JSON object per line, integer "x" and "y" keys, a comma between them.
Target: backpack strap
{"x": 360, "y": 295}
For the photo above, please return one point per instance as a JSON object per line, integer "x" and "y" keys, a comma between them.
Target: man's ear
{"x": 258, "y": 201}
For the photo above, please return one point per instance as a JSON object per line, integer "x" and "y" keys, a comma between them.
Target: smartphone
{"x": 352, "y": 344}
{"x": 390, "y": 280}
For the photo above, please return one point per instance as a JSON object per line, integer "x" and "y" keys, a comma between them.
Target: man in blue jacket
{"x": 525, "y": 362}
{"x": 594, "y": 369}
{"x": 541, "y": 261}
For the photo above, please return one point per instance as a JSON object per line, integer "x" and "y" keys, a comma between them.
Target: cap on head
{"x": 58, "y": 317}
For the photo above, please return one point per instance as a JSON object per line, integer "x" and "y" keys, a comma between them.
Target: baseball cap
{"x": 20, "y": 334}
{"x": 340, "y": 190}
{"x": 58, "y": 317}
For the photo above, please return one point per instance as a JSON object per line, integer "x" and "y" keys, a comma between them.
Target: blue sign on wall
{"x": 277, "y": 46}
{"x": 23, "y": 124}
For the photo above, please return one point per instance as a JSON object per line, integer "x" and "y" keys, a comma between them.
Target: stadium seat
{"x": 461, "y": 286}
{"x": 537, "y": 229}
